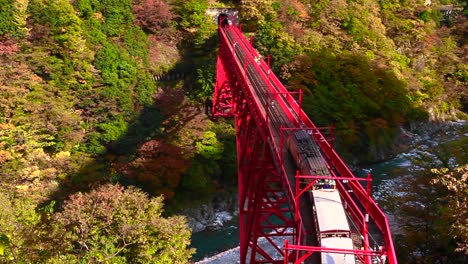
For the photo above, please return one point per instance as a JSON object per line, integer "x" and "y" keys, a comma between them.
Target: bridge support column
{"x": 266, "y": 198}
{"x": 223, "y": 91}
{"x": 265, "y": 217}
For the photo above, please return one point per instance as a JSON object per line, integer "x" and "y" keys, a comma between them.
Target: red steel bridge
{"x": 282, "y": 156}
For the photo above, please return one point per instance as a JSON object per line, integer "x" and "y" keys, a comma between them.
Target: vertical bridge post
{"x": 268, "y": 198}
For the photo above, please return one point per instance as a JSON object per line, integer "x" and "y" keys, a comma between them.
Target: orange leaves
{"x": 8, "y": 48}
{"x": 4, "y": 156}
{"x": 300, "y": 8}
{"x": 159, "y": 166}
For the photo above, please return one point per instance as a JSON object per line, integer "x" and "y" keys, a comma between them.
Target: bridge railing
{"x": 299, "y": 119}
{"x": 334, "y": 160}
{"x": 340, "y": 168}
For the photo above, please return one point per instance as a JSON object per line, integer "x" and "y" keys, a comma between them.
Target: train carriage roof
{"x": 330, "y": 212}
{"x": 335, "y": 258}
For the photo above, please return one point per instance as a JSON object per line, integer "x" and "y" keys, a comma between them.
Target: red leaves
{"x": 152, "y": 15}
{"x": 159, "y": 166}
{"x": 8, "y": 47}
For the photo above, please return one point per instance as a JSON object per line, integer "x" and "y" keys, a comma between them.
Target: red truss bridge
{"x": 298, "y": 201}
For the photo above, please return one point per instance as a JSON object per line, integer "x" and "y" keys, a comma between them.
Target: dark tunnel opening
{"x": 223, "y": 19}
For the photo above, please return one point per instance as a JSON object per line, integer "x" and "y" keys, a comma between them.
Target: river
{"x": 385, "y": 175}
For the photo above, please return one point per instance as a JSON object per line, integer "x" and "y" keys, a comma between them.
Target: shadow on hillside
{"x": 152, "y": 124}
{"x": 155, "y": 123}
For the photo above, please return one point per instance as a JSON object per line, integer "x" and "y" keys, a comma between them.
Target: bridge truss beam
{"x": 265, "y": 214}
{"x": 268, "y": 206}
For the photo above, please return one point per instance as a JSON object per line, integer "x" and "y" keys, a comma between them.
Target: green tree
{"x": 6, "y": 17}
{"x": 272, "y": 39}
{"x": 58, "y": 20}
{"x": 205, "y": 82}
{"x": 194, "y": 20}
{"x": 205, "y": 164}
{"x": 18, "y": 222}
{"x": 123, "y": 85}
{"x": 193, "y": 13}
{"x": 367, "y": 104}
{"x": 13, "y": 17}
{"x": 116, "y": 224}
{"x": 210, "y": 148}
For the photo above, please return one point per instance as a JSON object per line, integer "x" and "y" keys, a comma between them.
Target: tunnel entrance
{"x": 223, "y": 19}
{"x": 220, "y": 14}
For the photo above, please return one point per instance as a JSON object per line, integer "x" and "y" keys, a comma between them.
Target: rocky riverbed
{"x": 221, "y": 208}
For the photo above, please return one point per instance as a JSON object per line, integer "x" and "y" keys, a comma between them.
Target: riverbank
{"x": 220, "y": 208}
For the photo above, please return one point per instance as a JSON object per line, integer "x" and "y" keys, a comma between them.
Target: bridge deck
{"x": 293, "y": 144}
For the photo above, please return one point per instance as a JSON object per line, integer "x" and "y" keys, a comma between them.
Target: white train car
{"x": 332, "y": 226}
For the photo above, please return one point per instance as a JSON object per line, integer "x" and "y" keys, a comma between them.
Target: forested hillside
{"x": 77, "y": 90}
{"x": 366, "y": 66}
{"x": 81, "y": 114}
{"x": 373, "y": 68}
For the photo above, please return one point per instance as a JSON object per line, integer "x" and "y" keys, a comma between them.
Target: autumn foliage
{"x": 158, "y": 167}
{"x": 109, "y": 224}
{"x": 152, "y": 15}
{"x": 113, "y": 224}
{"x": 79, "y": 107}
{"x": 429, "y": 205}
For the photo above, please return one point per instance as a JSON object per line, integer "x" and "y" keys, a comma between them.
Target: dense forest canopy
{"x": 366, "y": 66}
{"x": 80, "y": 109}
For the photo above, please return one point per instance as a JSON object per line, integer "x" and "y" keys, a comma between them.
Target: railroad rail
{"x": 284, "y": 163}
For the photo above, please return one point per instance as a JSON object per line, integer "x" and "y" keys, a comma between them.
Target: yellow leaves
{"x": 62, "y": 155}
{"x": 456, "y": 182}
{"x": 20, "y": 13}
{"x": 23, "y": 188}
{"x": 38, "y": 154}
{"x": 99, "y": 17}
{"x": 4, "y": 156}
{"x": 35, "y": 175}
{"x": 256, "y": 11}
